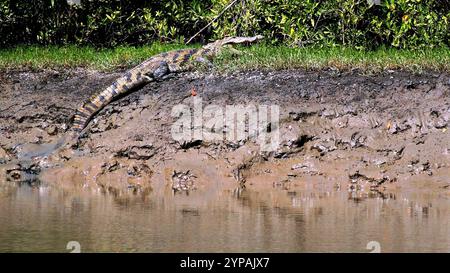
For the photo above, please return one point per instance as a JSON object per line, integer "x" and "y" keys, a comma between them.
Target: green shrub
{"x": 108, "y": 23}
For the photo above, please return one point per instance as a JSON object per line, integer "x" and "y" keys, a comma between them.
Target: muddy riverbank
{"x": 339, "y": 131}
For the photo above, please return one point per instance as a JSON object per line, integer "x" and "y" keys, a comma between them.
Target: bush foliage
{"x": 107, "y": 23}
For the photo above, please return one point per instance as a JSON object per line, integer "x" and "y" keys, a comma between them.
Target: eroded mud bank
{"x": 366, "y": 134}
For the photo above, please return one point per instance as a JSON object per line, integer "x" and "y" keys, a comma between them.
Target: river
{"x": 44, "y": 219}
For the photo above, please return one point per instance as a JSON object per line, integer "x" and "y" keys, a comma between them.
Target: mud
{"x": 366, "y": 134}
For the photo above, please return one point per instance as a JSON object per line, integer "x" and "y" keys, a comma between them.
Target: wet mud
{"x": 339, "y": 131}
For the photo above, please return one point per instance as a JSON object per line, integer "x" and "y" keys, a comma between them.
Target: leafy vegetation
{"x": 408, "y": 24}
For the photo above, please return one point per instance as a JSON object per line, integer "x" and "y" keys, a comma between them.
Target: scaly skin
{"x": 155, "y": 68}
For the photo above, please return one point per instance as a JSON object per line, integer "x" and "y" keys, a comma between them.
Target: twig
{"x": 213, "y": 20}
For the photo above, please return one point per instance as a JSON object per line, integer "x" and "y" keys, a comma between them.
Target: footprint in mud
{"x": 183, "y": 181}
{"x": 22, "y": 173}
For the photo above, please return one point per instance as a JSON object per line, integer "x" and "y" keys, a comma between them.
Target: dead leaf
{"x": 193, "y": 92}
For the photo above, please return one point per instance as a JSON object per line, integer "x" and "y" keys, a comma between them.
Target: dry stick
{"x": 213, "y": 20}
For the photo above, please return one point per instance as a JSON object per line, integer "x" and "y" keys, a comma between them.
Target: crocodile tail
{"x": 94, "y": 104}
{"x": 83, "y": 114}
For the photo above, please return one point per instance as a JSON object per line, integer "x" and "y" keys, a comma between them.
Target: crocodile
{"x": 155, "y": 68}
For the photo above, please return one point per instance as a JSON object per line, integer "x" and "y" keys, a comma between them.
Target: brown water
{"x": 45, "y": 220}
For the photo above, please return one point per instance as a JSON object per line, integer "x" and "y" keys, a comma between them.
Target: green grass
{"x": 261, "y": 57}
{"x": 275, "y": 58}
{"x": 39, "y": 57}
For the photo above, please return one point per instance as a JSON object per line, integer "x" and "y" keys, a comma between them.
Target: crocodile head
{"x": 213, "y": 48}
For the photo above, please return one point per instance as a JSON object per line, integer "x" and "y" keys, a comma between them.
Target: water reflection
{"x": 45, "y": 219}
